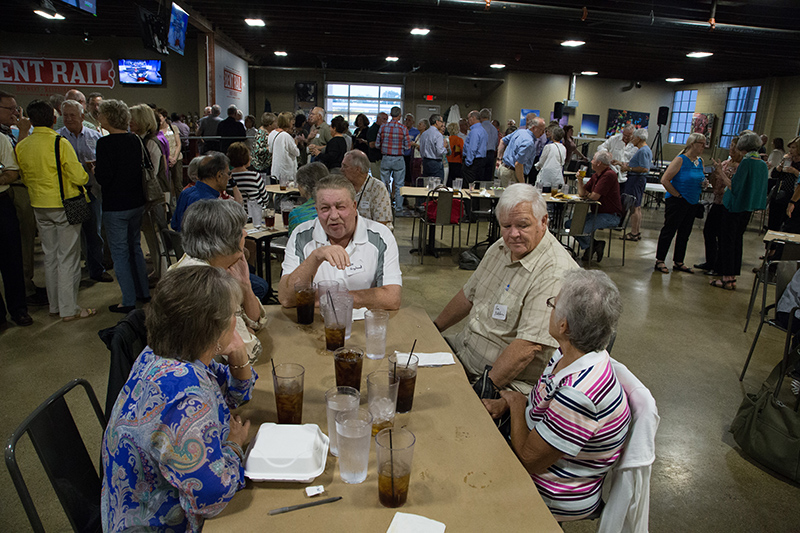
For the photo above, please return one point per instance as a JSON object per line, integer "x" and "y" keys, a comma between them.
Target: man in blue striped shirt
{"x": 475, "y": 149}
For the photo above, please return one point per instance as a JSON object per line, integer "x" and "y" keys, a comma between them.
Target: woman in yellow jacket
{"x": 61, "y": 243}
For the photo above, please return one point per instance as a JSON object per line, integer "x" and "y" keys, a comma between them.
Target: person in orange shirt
{"x": 456, "y": 149}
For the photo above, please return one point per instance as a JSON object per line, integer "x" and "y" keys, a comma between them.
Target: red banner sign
{"x": 61, "y": 72}
{"x": 232, "y": 80}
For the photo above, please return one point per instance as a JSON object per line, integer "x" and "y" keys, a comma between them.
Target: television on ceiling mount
{"x": 140, "y": 71}
{"x": 178, "y": 20}
{"x": 153, "y": 29}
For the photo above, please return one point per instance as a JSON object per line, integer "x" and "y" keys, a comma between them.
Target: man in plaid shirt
{"x": 393, "y": 140}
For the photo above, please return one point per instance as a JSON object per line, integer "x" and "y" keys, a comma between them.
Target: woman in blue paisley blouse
{"x": 172, "y": 451}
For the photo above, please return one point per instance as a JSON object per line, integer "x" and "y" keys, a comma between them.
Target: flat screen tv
{"x": 140, "y": 71}
{"x": 89, "y": 6}
{"x": 590, "y": 124}
{"x": 176, "y": 38}
{"x": 153, "y": 29}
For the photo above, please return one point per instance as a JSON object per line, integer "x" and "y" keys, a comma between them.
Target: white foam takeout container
{"x": 286, "y": 452}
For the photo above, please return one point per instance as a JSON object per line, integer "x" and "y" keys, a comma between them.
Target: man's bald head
{"x": 75, "y": 94}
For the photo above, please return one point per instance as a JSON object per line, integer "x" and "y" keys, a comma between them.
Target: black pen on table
{"x": 303, "y": 505}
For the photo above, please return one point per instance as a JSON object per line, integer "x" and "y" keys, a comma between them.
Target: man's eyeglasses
{"x": 551, "y": 302}
{"x": 9, "y": 107}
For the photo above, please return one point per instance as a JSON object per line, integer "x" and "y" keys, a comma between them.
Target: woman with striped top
{"x": 571, "y": 429}
{"x": 249, "y": 182}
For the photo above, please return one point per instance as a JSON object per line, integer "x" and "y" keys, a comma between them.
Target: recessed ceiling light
{"x": 699, "y": 54}
{"x": 48, "y": 16}
{"x": 588, "y": 73}
{"x": 255, "y": 22}
{"x": 392, "y": 58}
{"x": 420, "y": 31}
{"x": 573, "y": 43}
{"x": 674, "y": 80}
{"x": 280, "y": 53}
{"x": 497, "y": 65}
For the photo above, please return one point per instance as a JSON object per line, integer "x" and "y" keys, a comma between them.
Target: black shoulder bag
{"x": 76, "y": 208}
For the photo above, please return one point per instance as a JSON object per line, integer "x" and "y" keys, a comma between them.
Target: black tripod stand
{"x": 656, "y": 148}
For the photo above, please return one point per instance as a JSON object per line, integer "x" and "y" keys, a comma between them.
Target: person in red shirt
{"x": 603, "y": 187}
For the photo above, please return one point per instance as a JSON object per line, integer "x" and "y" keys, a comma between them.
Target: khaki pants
{"x": 27, "y": 231}
{"x": 506, "y": 175}
{"x": 61, "y": 244}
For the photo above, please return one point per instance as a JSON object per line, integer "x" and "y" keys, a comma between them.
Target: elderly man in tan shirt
{"x": 505, "y": 299}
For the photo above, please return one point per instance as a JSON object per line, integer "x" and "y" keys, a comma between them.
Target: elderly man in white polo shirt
{"x": 621, "y": 149}
{"x": 339, "y": 245}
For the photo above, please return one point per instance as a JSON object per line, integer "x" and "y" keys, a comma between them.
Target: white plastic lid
{"x": 286, "y": 452}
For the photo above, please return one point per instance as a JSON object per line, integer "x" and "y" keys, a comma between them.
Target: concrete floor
{"x": 683, "y": 339}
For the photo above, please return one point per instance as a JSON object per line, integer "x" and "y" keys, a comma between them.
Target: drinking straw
{"x": 330, "y": 299}
{"x": 273, "y": 366}
{"x": 411, "y": 353}
{"x": 391, "y": 460}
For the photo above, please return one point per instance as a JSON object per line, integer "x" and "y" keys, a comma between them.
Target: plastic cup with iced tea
{"x": 404, "y": 372}
{"x": 382, "y": 399}
{"x": 288, "y": 382}
{"x": 305, "y": 294}
{"x": 347, "y": 363}
{"x": 395, "y": 450}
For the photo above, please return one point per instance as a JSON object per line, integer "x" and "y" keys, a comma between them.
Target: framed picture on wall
{"x": 523, "y": 112}
{"x": 619, "y": 118}
{"x": 704, "y": 123}
{"x": 305, "y": 92}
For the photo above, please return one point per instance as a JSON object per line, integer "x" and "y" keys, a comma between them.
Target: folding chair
{"x": 445, "y": 200}
{"x": 172, "y": 244}
{"x": 765, "y": 276}
{"x": 628, "y": 204}
{"x": 65, "y": 459}
{"x": 785, "y": 271}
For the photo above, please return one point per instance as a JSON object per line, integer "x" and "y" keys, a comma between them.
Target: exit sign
{"x": 429, "y": 97}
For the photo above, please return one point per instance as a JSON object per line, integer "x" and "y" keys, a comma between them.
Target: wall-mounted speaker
{"x": 663, "y": 115}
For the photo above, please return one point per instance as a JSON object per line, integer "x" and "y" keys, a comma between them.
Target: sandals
{"x": 84, "y": 313}
{"x": 663, "y": 268}
{"x": 680, "y": 267}
{"x": 631, "y": 237}
{"x": 729, "y": 285}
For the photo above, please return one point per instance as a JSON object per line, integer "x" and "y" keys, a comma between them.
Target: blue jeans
{"x": 393, "y": 169}
{"x": 433, "y": 167}
{"x": 92, "y": 241}
{"x": 123, "y": 229}
{"x": 602, "y": 220}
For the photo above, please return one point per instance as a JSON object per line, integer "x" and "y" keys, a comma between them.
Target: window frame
{"x": 680, "y": 126}
{"x": 737, "y": 116}
{"x": 384, "y": 104}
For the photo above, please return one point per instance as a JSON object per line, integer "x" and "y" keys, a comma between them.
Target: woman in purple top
{"x": 683, "y": 180}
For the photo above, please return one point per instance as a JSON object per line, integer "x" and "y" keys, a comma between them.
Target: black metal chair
{"x": 784, "y": 251}
{"x": 785, "y": 271}
{"x": 628, "y": 204}
{"x": 172, "y": 244}
{"x": 63, "y": 454}
{"x": 445, "y": 200}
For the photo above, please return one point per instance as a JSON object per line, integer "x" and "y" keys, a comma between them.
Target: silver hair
{"x": 336, "y": 181}
{"x": 749, "y": 141}
{"x": 474, "y": 114}
{"x": 215, "y": 110}
{"x": 519, "y": 193}
{"x": 629, "y": 127}
{"x": 425, "y": 122}
{"x": 359, "y": 160}
{"x": 485, "y": 114}
{"x": 211, "y": 228}
{"x": 308, "y": 175}
{"x": 71, "y": 103}
{"x": 640, "y": 133}
{"x": 232, "y": 110}
{"x": 590, "y": 303}
{"x": 435, "y": 118}
{"x": 116, "y": 112}
{"x": 194, "y": 166}
{"x": 212, "y": 164}
{"x": 604, "y": 157}
{"x": 558, "y": 133}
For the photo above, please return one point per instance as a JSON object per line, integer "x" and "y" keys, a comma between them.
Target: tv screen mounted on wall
{"x": 140, "y": 71}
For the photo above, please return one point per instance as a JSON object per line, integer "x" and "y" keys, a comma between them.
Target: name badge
{"x": 500, "y": 311}
{"x": 354, "y": 269}
{"x": 317, "y": 136}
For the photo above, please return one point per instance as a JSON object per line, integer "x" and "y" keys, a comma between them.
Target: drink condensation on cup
{"x": 287, "y": 380}
{"x": 395, "y": 451}
{"x": 337, "y": 400}
{"x": 376, "y": 322}
{"x": 354, "y": 430}
{"x": 305, "y": 294}
{"x": 347, "y": 365}
{"x": 382, "y": 399}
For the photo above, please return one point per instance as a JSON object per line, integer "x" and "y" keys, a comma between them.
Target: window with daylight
{"x": 350, "y": 99}
{"x": 740, "y": 112}
{"x": 682, "y": 111}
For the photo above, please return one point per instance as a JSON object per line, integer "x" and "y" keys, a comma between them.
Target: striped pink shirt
{"x": 583, "y": 412}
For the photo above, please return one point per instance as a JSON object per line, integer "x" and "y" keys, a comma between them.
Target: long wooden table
{"x": 463, "y": 473}
{"x": 263, "y": 238}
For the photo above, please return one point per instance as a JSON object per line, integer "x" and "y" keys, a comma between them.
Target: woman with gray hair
{"x": 213, "y": 234}
{"x": 118, "y": 170}
{"x": 307, "y": 177}
{"x": 172, "y": 453}
{"x": 551, "y": 163}
{"x": 637, "y": 169}
{"x": 683, "y": 180}
{"x": 745, "y": 192}
{"x": 571, "y": 429}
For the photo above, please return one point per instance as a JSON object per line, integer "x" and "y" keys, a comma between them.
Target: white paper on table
{"x": 429, "y": 359}
{"x": 358, "y": 314}
{"x": 414, "y": 523}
